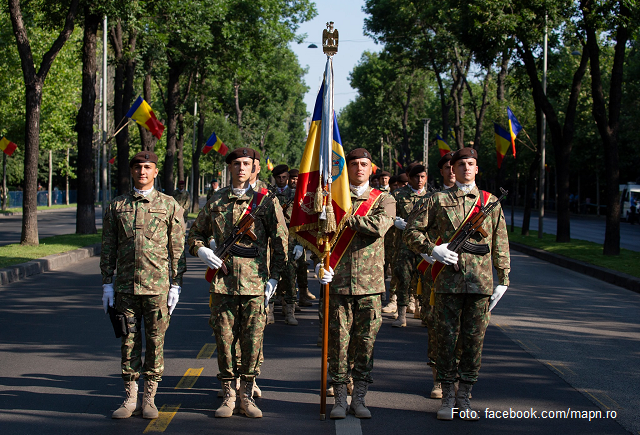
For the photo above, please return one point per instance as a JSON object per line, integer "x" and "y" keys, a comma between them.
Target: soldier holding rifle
{"x": 464, "y": 292}
{"x": 237, "y": 299}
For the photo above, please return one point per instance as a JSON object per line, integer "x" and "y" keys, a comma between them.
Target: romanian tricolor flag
{"x": 442, "y": 146}
{"x": 7, "y": 146}
{"x": 214, "y": 143}
{"x": 141, "y": 113}
{"x": 514, "y": 128}
{"x": 323, "y": 165}
{"x": 502, "y": 142}
{"x": 397, "y": 163}
{"x": 269, "y": 164}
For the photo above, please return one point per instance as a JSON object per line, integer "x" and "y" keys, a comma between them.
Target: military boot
{"x": 339, "y": 409}
{"x": 257, "y": 392}
{"x": 289, "y": 316}
{"x": 229, "y": 399}
{"x": 464, "y": 404}
{"x": 402, "y": 318}
{"x": 416, "y": 313}
{"x": 304, "y": 300}
{"x": 448, "y": 402}
{"x": 358, "y": 407}
{"x": 392, "y": 306}
{"x": 132, "y": 404}
{"x": 307, "y": 294}
{"x": 284, "y": 307}
{"x": 248, "y": 406}
{"x": 436, "y": 391}
{"x": 149, "y": 409}
{"x": 411, "y": 307}
{"x": 330, "y": 391}
{"x": 270, "y": 318}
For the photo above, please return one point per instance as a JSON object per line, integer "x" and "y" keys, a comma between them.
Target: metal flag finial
{"x": 330, "y": 40}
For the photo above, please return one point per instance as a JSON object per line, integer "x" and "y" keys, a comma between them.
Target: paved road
{"x": 53, "y": 223}
{"x": 558, "y": 340}
{"x": 588, "y": 228}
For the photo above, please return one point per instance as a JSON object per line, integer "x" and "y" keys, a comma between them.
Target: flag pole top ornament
{"x": 330, "y": 40}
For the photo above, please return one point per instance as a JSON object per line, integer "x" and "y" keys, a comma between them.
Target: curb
{"x": 612, "y": 277}
{"x": 18, "y": 272}
{"x": 55, "y": 210}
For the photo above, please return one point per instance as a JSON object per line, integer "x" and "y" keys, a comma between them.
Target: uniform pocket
{"x": 126, "y": 218}
{"x": 157, "y": 223}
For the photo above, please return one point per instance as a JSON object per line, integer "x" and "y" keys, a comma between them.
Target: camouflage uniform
{"x": 287, "y": 285}
{"x": 237, "y": 299}
{"x": 405, "y": 260}
{"x": 354, "y": 304}
{"x": 184, "y": 199}
{"x": 144, "y": 238}
{"x": 462, "y": 297}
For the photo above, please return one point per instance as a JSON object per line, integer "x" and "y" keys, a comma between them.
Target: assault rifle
{"x": 230, "y": 246}
{"x": 460, "y": 241}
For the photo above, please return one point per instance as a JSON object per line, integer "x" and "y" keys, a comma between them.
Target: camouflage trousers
{"x": 462, "y": 321}
{"x": 238, "y": 319}
{"x": 354, "y": 322}
{"x": 287, "y": 284}
{"x": 406, "y": 274}
{"x": 301, "y": 271}
{"x": 153, "y": 309}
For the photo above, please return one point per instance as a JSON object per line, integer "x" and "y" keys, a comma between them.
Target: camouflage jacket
{"x": 284, "y": 198}
{"x": 144, "y": 238}
{"x": 406, "y": 200}
{"x": 184, "y": 199}
{"x": 361, "y": 269}
{"x": 441, "y": 215}
{"x": 247, "y": 276}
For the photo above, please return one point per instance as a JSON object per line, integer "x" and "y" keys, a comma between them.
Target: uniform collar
{"x": 365, "y": 194}
{"x": 455, "y": 190}
{"x": 150, "y": 196}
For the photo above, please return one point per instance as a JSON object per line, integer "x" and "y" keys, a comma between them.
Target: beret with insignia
{"x": 358, "y": 153}
{"x": 445, "y": 159}
{"x": 144, "y": 157}
{"x": 241, "y": 152}
{"x": 464, "y": 153}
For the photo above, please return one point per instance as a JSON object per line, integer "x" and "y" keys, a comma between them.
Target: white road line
{"x": 348, "y": 426}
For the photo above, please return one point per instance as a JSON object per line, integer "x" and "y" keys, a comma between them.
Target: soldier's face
{"x": 282, "y": 179}
{"x": 448, "y": 176}
{"x": 384, "y": 180}
{"x": 359, "y": 171}
{"x": 375, "y": 182}
{"x": 419, "y": 180}
{"x": 256, "y": 171}
{"x": 465, "y": 170}
{"x": 143, "y": 175}
{"x": 241, "y": 169}
{"x": 293, "y": 182}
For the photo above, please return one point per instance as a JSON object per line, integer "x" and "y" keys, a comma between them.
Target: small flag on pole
{"x": 502, "y": 142}
{"x": 141, "y": 113}
{"x": 374, "y": 168}
{"x": 7, "y": 146}
{"x": 397, "y": 163}
{"x": 269, "y": 164}
{"x": 112, "y": 160}
{"x": 214, "y": 143}
{"x": 514, "y": 128}
{"x": 442, "y": 146}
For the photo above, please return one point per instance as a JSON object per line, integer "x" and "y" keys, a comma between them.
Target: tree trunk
{"x": 502, "y": 75}
{"x": 534, "y": 169}
{"x": 173, "y": 94}
{"x": 33, "y": 98}
{"x": 86, "y": 213}
{"x": 195, "y": 160}
{"x": 148, "y": 139}
{"x": 181, "y": 147}
{"x": 445, "y": 105}
{"x": 406, "y": 151}
{"x": 236, "y": 96}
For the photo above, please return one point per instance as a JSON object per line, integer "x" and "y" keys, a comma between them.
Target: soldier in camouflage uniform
{"x": 183, "y": 198}
{"x": 464, "y": 288}
{"x": 214, "y": 188}
{"x": 305, "y": 296}
{"x": 287, "y": 285}
{"x": 405, "y": 259}
{"x": 355, "y": 289}
{"x": 143, "y": 237}
{"x": 238, "y": 299}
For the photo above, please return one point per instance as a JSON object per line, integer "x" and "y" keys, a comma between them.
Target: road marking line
{"x": 555, "y": 368}
{"x": 348, "y": 426}
{"x": 165, "y": 415}
{"x": 567, "y": 368}
{"x": 596, "y": 399}
{"x": 612, "y": 401}
{"x": 207, "y": 351}
{"x": 529, "y": 347}
{"x": 189, "y": 379}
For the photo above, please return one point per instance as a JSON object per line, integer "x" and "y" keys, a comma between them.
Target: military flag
{"x": 442, "y": 146}
{"x": 323, "y": 199}
{"x": 141, "y": 113}
{"x": 214, "y": 143}
{"x": 112, "y": 160}
{"x": 374, "y": 168}
{"x": 269, "y": 164}
{"x": 514, "y": 129}
{"x": 7, "y": 146}
{"x": 502, "y": 142}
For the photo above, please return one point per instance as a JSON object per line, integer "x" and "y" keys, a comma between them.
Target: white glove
{"x": 297, "y": 252}
{"x": 499, "y": 291}
{"x": 442, "y": 254}
{"x": 400, "y": 223}
{"x": 428, "y": 258}
{"x": 173, "y": 297}
{"x": 209, "y": 258}
{"x": 327, "y": 276}
{"x": 107, "y": 296}
{"x": 270, "y": 290}
{"x": 212, "y": 244}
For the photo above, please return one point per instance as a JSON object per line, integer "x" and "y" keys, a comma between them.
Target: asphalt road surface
{"x": 589, "y": 228}
{"x": 558, "y": 341}
{"x": 53, "y": 223}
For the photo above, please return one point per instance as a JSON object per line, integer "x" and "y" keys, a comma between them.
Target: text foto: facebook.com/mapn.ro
{"x": 494, "y": 414}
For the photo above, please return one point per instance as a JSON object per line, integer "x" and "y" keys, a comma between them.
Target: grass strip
{"x": 16, "y": 253}
{"x": 627, "y": 262}
{"x": 40, "y": 207}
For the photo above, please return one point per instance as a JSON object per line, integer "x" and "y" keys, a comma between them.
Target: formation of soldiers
{"x": 399, "y": 227}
